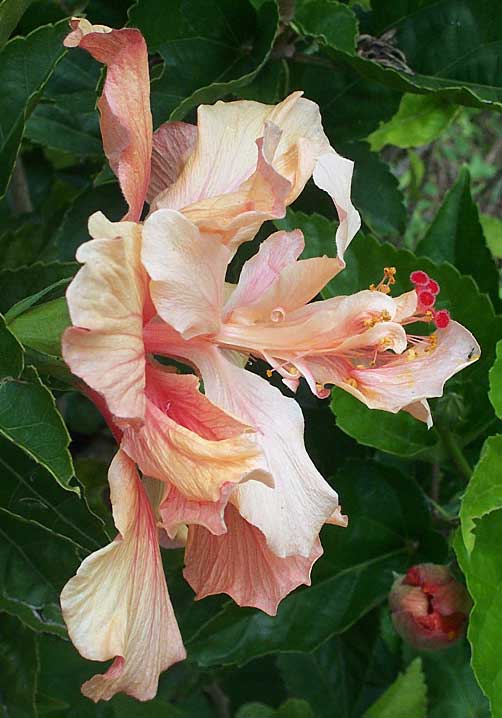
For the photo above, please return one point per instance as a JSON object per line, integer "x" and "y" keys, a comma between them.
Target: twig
{"x": 219, "y": 699}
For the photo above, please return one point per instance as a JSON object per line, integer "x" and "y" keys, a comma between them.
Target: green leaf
{"x": 353, "y": 576}
{"x": 42, "y": 327}
{"x": 67, "y": 120}
{"x": 73, "y": 229}
{"x": 294, "y": 708}
{"x": 407, "y": 696}
{"x": 17, "y": 284}
{"x": 209, "y": 49}
{"x": 398, "y": 434}
{"x": 11, "y": 11}
{"x": 375, "y": 191}
{"x": 18, "y": 668}
{"x": 29, "y": 491}
{"x": 330, "y": 21}
{"x": 492, "y": 229}
{"x": 26, "y": 64}
{"x": 29, "y": 418}
{"x": 351, "y": 105}
{"x": 482, "y": 567}
{"x": 484, "y": 491}
{"x": 456, "y": 236}
{"x": 496, "y": 382}
{"x": 25, "y": 304}
{"x": 35, "y": 563}
{"x": 255, "y": 710}
{"x": 11, "y": 353}
{"x": 451, "y": 48}
{"x": 420, "y": 119}
{"x": 452, "y": 688}
{"x": 349, "y": 671}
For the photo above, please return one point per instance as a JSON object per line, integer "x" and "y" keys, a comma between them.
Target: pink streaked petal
{"x": 236, "y": 216}
{"x": 117, "y": 606}
{"x": 179, "y": 396}
{"x": 173, "y": 143}
{"x": 333, "y": 174}
{"x": 126, "y": 120}
{"x": 261, "y": 271}
{"x": 406, "y": 381}
{"x": 241, "y": 564}
{"x": 187, "y": 271}
{"x": 296, "y": 285}
{"x": 168, "y": 451}
{"x": 176, "y": 510}
{"x": 105, "y": 301}
{"x": 291, "y": 514}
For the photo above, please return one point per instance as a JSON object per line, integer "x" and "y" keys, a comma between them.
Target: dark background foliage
{"x": 412, "y": 91}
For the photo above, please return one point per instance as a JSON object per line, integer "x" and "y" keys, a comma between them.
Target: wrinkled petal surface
{"x": 197, "y": 466}
{"x": 173, "y": 143}
{"x": 241, "y": 564}
{"x": 117, "y": 606}
{"x": 187, "y": 271}
{"x": 124, "y": 106}
{"x": 105, "y": 301}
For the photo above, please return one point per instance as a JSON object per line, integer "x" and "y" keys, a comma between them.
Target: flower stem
{"x": 455, "y": 452}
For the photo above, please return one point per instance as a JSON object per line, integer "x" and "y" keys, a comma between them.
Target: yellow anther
{"x": 318, "y": 386}
{"x": 385, "y": 316}
{"x": 433, "y": 341}
{"x": 292, "y": 370}
{"x": 269, "y": 373}
{"x": 386, "y": 341}
{"x": 428, "y": 316}
{"x": 351, "y": 382}
{"x": 411, "y": 354}
{"x": 360, "y": 366}
{"x": 387, "y": 280}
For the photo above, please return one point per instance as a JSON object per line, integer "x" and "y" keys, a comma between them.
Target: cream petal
{"x": 197, "y": 466}
{"x": 406, "y": 306}
{"x": 262, "y": 270}
{"x": 406, "y": 380}
{"x": 333, "y": 174}
{"x": 187, "y": 271}
{"x": 296, "y": 285}
{"x": 117, "y": 606}
{"x": 173, "y": 143}
{"x": 176, "y": 511}
{"x": 126, "y": 120}
{"x": 105, "y": 301}
{"x": 237, "y": 216}
{"x": 241, "y": 564}
{"x": 291, "y": 514}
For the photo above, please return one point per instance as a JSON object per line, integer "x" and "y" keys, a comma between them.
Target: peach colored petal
{"x": 176, "y": 510}
{"x": 173, "y": 143}
{"x": 407, "y": 380}
{"x": 117, "y": 606}
{"x": 296, "y": 285}
{"x": 237, "y": 216}
{"x": 241, "y": 564}
{"x": 230, "y": 186}
{"x": 333, "y": 174}
{"x": 197, "y": 466}
{"x": 188, "y": 272}
{"x": 420, "y": 410}
{"x": 261, "y": 271}
{"x": 124, "y": 106}
{"x": 291, "y": 514}
{"x": 105, "y": 301}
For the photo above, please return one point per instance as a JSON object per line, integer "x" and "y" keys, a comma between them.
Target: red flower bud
{"x": 429, "y": 607}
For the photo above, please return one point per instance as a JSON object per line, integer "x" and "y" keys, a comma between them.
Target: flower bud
{"x": 429, "y": 607}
